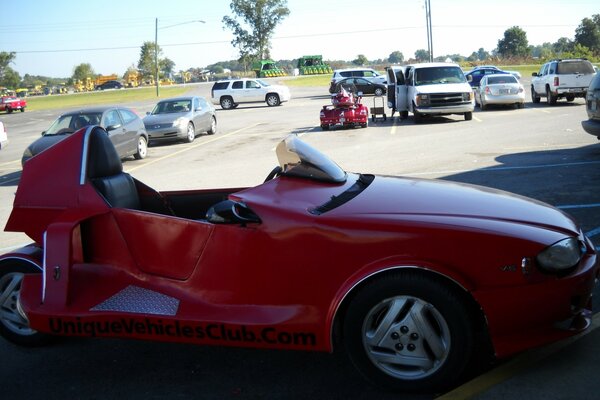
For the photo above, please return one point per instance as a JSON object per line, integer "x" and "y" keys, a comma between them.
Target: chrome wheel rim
{"x": 142, "y": 147}
{"x": 406, "y": 337}
{"x": 11, "y": 315}
{"x": 190, "y": 132}
{"x": 213, "y": 125}
{"x": 272, "y": 100}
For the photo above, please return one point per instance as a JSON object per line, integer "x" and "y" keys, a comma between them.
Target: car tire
{"x": 9, "y": 110}
{"x": 482, "y": 105}
{"x": 227, "y": 103}
{"x": 408, "y": 332}
{"x": 325, "y": 127}
{"x": 213, "y": 126}
{"x": 570, "y": 98}
{"x": 550, "y": 98}
{"x": 273, "y": 100}
{"x": 190, "y": 133}
{"x": 403, "y": 115}
{"x": 378, "y": 92}
{"x": 468, "y": 116}
{"x": 23, "y": 109}
{"x": 534, "y": 96}
{"x": 142, "y": 148}
{"x": 14, "y": 327}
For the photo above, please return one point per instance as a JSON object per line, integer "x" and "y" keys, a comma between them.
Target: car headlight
{"x": 180, "y": 122}
{"x": 561, "y": 256}
{"x": 422, "y": 100}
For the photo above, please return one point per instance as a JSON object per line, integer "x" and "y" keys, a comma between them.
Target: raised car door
{"x": 402, "y": 91}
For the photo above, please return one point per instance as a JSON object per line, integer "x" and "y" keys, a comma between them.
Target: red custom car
{"x": 408, "y": 276}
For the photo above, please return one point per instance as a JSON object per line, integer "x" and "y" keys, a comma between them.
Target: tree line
{"x": 254, "y": 21}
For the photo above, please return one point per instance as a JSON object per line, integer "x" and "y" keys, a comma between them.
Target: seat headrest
{"x": 103, "y": 159}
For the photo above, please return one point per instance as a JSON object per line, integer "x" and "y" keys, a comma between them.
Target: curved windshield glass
{"x": 172, "y": 106}
{"x": 297, "y": 158}
{"x": 71, "y": 122}
{"x": 263, "y": 82}
{"x": 438, "y": 75}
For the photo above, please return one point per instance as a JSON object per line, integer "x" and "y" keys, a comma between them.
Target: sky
{"x": 52, "y": 37}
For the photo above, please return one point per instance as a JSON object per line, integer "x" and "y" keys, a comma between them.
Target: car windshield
{"x": 263, "y": 83}
{"x": 439, "y": 75}
{"x": 69, "y": 123}
{"x": 297, "y": 158}
{"x": 492, "y": 80}
{"x": 173, "y": 106}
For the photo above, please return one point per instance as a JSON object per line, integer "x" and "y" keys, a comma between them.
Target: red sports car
{"x": 408, "y": 276}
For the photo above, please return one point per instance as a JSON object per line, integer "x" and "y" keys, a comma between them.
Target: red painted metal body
{"x": 12, "y": 103}
{"x": 280, "y": 282}
{"x": 346, "y": 110}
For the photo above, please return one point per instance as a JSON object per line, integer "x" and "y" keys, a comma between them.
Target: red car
{"x": 346, "y": 110}
{"x": 410, "y": 277}
{"x": 11, "y": 103}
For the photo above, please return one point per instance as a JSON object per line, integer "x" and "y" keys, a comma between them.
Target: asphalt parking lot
{"x": 539, "y": 151}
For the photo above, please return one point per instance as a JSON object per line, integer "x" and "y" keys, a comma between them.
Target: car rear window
{"x": 220, "y": 85}
{"x": 502, "y": 79}
{"x": 575, "y": 67}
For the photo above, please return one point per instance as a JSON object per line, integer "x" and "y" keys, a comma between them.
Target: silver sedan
{"x": 180, "y": 118}
{"x": 502, "y": 89}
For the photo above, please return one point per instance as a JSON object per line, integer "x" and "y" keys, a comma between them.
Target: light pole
{"x": 156, "y": 45}
{"x": 429, "y": 29}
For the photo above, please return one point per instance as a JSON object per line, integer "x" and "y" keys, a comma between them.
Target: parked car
{"x": 562, "y": 79}
{"x": 356, "y": 85}
{"x": 180, "y": 118}
{"x": 124, "y": 127}
{"x": 410, "y": 277}
{"x": 12, "y": 103}
{"x": 502, "y": 89}
{"x": 479, "y": 72}
{"x": 367, "y": 73}
{"x": 110, "y": 85}
{"x": 592, "y": 106}
{"x": 230, "y": 93}
{"x": 3, "y": 136}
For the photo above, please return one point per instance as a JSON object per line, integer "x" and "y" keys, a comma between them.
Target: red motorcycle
{"x": 345, "y": 110}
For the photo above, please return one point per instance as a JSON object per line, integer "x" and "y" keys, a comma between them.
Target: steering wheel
{"x": 274, "y": 173}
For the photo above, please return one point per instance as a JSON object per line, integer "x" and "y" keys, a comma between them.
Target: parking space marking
{"x": 513, "y": 367}
{"x": 541, "y": 110}
{"x": 477, "y": 119}
{"x": 171, "y": 155}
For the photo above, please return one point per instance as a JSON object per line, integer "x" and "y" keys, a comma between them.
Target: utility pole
{"x": 429, "y": 29}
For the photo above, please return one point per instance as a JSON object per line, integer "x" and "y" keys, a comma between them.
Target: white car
{"x": 230, "y": 93}
{"x": 3, "y": 136}
{"x": 499, "y": 89}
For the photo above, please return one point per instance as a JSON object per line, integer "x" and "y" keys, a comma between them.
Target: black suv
{"x": 592, "y": 105}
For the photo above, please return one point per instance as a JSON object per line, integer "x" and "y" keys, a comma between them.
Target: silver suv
{"x": 369, "y": 74}
{"x": 230, "y": 93}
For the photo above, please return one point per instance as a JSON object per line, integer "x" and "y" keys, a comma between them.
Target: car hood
{"x": 163, "y": 118}
{"x": 444, "y": 88}
{"x": 436, "y": 198}
{"x": 44, "y": 142}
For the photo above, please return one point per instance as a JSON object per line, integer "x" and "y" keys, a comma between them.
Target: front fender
{"x": 31, "y": 254}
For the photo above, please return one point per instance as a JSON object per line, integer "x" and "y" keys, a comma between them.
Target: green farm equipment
{"x": 267, "y": 69}
{"x": 313, "y": 65}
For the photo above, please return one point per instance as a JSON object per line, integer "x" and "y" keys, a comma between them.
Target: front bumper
{"x": 521, "y": 317}
{"x": 165, "y": 133}
{"x": 445, "y": 110}
{"x": 592, "y": 126}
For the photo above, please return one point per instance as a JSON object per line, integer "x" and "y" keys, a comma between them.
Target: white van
{"x": 429, "y": 89}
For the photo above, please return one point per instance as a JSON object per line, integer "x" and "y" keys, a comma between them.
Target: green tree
{"x": 422, "y": 55}
{"x": 396, "y": 57}
{"x": 252, "y": 36}
{"x": 588, "y": 33}
{"x": 360, "y": 60}
{"x": 82, "y": 71}
{"x": 514, "y": 43}
{"x": 5, "y": 59}
{"x": 562, "y": 45}
{"x": 166, "y": 67}
{"x": 10, "y": 78}
{"x": 482, "y": 54}
{"x": 146, "y": 64}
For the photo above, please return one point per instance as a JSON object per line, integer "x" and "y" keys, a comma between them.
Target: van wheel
{"x": 468, "y": 116}
{"x": 550, "y": 98}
